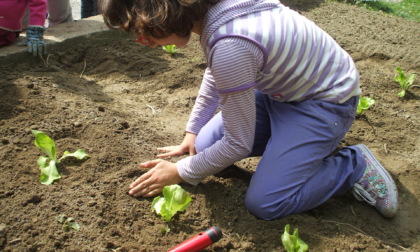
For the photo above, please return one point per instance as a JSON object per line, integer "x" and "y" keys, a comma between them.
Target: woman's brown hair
{"x": 156, "y": 18}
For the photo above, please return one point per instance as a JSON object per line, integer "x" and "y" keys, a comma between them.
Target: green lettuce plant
{"x": 48, "y": 164}
{"x": 364, "y": 104}
{"x": 175, "y": 199}
{"x": 292, "y": 243}
{"x": 68, "y": 223}
{"x": 170, "y": 49}
{"x": 404, "y": 82}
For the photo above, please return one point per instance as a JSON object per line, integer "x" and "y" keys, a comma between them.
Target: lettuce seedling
{"x": 67, "y": 223}
{"x": 175, "y": 199}
{"x": 48, "y": 164}
{"x": 292, "y": 243}
{"x": 364, "y": 104}
{"x": 403, "y": 81}
{"x": 170, "y": 49}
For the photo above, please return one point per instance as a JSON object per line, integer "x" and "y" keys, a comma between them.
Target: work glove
{"x": 35, "y": 40}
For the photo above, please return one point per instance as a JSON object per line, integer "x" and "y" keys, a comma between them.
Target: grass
{"x": 409, "y": 9}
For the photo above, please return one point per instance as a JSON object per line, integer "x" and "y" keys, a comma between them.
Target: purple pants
{"x": 296, "y": 172}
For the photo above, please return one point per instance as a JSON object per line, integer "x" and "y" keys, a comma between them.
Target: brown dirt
{"x": 96, "y": 98}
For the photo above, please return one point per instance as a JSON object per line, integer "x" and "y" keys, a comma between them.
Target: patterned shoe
{"x": 376, "y": 187}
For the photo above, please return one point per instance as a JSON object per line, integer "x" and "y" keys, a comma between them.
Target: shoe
{"x": 376, "y": 186}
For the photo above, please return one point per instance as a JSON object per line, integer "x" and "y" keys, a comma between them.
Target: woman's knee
{"x": 210, "y": 133}
{"x": 203, "y": 142}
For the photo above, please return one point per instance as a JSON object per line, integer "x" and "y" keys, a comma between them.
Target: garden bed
{"x": 97, "y": 94}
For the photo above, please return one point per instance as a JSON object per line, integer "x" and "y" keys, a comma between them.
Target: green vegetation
{"x": 409, "y": 9}
{"x": 403, "y": 81}
{"x": 48, "y": 164}
{"x": 170, "y": 49}
{"x": 175, "y": 199}
{"x": 67, "y": 223}
{"x": 364, "y": 104}
{"x": 292, "y": 243}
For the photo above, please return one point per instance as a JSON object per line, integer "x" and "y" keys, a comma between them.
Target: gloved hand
{"x": 35, "y": 40}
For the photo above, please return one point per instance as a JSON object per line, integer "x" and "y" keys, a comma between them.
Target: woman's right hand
{"x": 187, "y": 146}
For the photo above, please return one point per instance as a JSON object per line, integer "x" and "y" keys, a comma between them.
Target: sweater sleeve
{"x": 205, "y": 105}
{"x": 37, "y": 12}
{"x": 234, "y": 67}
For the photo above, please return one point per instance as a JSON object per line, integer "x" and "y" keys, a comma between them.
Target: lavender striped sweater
{"x": 260, "y": 44}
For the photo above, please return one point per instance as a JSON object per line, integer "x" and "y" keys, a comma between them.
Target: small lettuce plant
{"x": 67, "y": 223}
{"x": 292, "y": 242}
{"x": 48, "y": 164}
{"x": 404, "y": 82}
{"x": 175, "y": 199}
{"x": 170, "y": 49}
{"x": 364, "y": 104}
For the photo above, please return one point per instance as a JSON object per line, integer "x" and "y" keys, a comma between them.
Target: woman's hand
{"x": 187, "y": 146}
{"x": 161, "y": 174}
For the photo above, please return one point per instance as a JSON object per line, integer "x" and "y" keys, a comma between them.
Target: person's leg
{"x": 296, "y": 172}
{"x": 25, "y": 19}
{"x": 89, "y": 8}
{"x": 7, "y": 37}
{"x": 214, "y": 130}
{"x": 59, "y": 11}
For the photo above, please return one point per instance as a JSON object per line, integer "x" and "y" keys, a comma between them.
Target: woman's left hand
{"x": 161, "y": 174}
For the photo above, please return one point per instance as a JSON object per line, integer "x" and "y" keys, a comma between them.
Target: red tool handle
{"x": 200, "y": 241}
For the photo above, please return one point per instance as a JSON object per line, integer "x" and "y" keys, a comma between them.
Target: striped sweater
{"x": 263, "y": 45}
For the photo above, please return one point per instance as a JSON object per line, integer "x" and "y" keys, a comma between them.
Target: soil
{"x": 98, "y": 95}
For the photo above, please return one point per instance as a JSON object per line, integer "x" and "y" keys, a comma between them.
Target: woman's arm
{"x": 37, "y": 12}
{"x": 205, "y": 105}
{"x": 234, "y": 67}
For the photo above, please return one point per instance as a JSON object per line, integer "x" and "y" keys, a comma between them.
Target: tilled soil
{"x": 98, "y": 96}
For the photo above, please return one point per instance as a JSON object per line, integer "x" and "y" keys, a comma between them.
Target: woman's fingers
{"x": 146, "y": 189}
{"x": 169, "y": 148}
{"x": 152, "y": 193}
{"x": 170, "y": 151}
{"x": 162, "y": 173}
{"x": 150, "y": 163}
{"x": 170, "y": 154}
{"x": 139, "y": 180}
{"x": 152, "y": 190}
{"x": 140, "y": 189}
{"x": 147, "y": 175}
{"x": 146, "y": 184}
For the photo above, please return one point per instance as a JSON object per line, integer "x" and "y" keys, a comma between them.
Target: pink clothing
{"x": 12, "y": 12}
{"x": 7, "y": 37}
